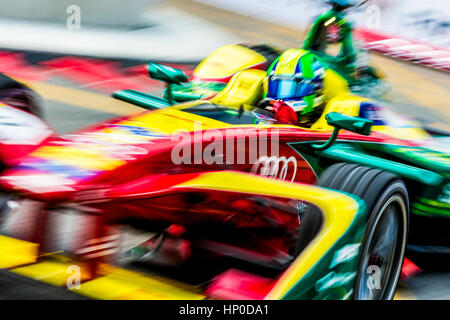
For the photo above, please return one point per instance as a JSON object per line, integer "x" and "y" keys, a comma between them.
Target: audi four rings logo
{"x": 275, "y": 167}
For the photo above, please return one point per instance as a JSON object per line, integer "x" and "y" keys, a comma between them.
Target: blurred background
{"x": 185, "y": 25}
{"x": 75, "y": 53}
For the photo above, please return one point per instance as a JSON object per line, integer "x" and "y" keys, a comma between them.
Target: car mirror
{"x": 353, "y": 124}
{"x": 165, "y": 73}
{"x": 341, "y": 121}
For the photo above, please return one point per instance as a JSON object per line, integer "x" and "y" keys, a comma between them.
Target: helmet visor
{"x": 290, "y": 89}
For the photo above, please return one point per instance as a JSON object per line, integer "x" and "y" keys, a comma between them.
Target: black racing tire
{"x": 20, "y": 96}
{"x": 387, "y": 201}
{"x": 269, "y": 52}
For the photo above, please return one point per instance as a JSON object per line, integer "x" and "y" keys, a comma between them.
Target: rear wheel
{"x": 385, "y": 236}
{"x": 20, "y": 96}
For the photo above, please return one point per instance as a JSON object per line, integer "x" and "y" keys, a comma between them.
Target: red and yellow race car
{"x": 226, "y": 198}
{"x": 230, "y": 202}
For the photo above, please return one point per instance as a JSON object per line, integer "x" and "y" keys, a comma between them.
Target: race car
{"x": 228, "y": 195}
{"x": 217, "y": 208}
{"x": 231, "y": 219}
{"x": 210, "y": 204}
{"x": 220, "y": 223}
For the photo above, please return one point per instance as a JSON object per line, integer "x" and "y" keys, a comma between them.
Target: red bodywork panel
{"x": 146, "y": 167}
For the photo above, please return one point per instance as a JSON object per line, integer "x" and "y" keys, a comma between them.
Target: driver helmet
{"x": 296, "y": 78}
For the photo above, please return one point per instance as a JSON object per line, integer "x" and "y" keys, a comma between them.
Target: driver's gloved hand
{"x": 282, "y": 112}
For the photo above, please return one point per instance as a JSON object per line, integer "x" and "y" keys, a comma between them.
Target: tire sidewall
{"x": 396, "y": 187}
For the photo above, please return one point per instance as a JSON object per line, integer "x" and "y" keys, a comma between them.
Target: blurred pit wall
{"x": 108, "y": 13}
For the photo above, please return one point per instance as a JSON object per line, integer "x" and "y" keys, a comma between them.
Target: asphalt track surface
{"x": 416, "y": 91}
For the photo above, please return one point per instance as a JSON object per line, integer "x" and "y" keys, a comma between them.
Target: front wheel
{"x": 384, "y": 242}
